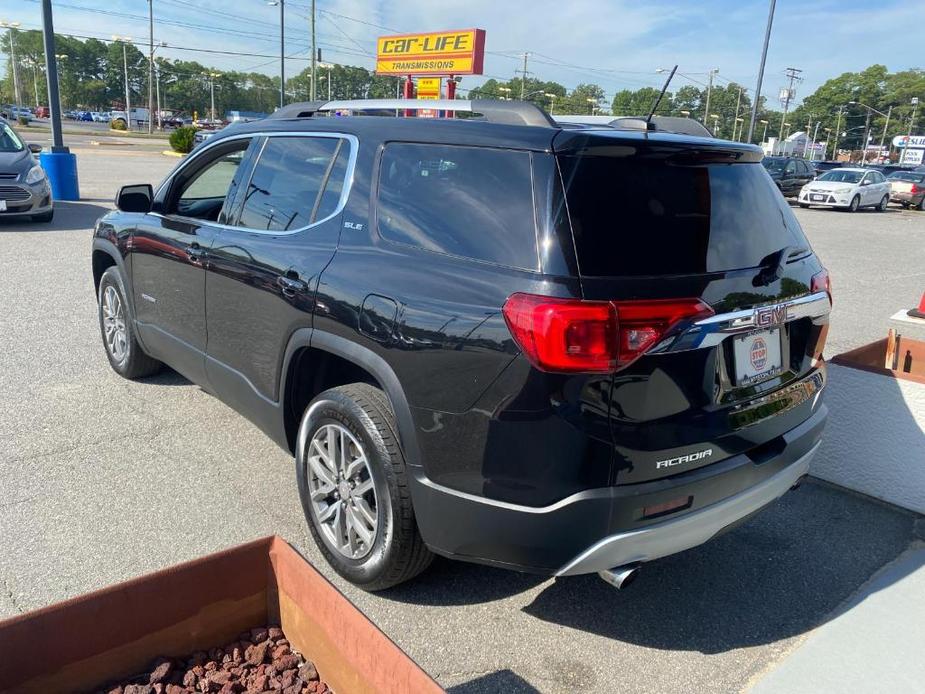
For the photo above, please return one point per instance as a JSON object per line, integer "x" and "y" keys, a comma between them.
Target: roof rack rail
{"x": 492, "y": 111}
{"x": 664, "y": 124}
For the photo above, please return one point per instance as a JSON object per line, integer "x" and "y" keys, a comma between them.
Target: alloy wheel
{"x": 114, "y": 324}
{"x": 342, "y": 492}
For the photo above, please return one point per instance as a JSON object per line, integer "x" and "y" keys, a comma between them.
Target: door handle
{"x": 291, "y": 286}
{"x": 195, "y": 252}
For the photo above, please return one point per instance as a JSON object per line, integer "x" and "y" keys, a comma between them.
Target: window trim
{"x": 341, "y": 204}
{"x": 374, "y": 205}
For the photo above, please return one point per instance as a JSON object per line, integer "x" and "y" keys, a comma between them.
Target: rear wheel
{"x": 353, "y": 485}
{"x": 855, "y": 203}
{"x": 921, "y": 205}
{"x": 125, "y": 354}
{"x": 884, "y": 201}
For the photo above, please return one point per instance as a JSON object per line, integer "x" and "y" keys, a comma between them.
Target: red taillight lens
{"x": 914, "y": 189}
{"x": 821, "y": 282}
{"x": 570, "y": 335}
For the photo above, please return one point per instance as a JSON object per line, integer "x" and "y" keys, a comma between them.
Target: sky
{"x": 618, "y": 44}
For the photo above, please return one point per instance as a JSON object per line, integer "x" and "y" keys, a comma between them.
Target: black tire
{"x": 884, "y": 201}
{"x": 921, "y": 205}
{"x": 397, "y": 552}
{"x": 44, "y": 217}
{"x": 133, "y": 363}
{"x": 804, "y": 205}
{"x": 855, "y": 203}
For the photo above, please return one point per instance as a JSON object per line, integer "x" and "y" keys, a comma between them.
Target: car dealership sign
{"x": 902, "y": 141}
{"x": 459, "y": 52}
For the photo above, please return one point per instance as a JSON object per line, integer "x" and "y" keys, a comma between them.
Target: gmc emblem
{"x": 773, "y": 315}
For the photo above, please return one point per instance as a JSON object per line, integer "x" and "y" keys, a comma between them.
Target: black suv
{"x": 790, "y": 174}
{"x": 554, "y": 348}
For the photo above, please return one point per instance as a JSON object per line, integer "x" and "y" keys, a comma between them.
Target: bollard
{"x": 61, "y": 169}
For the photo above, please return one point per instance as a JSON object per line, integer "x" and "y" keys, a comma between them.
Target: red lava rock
{"x": 287, "y": 662}
{"x": 161, "y": 671}
{"x": 261, "y": 661}
{"x": 255, "y": 654}
{"x": 308, "y": 672}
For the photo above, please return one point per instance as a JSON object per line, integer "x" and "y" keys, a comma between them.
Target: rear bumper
{"x": 602, "y": 528}
{"x": 677, "y": 535}
{"x": 907, "y": 198}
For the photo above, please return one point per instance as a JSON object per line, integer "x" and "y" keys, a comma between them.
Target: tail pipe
{"x": 620, "y": 576}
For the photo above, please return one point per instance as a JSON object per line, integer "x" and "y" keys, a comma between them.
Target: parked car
{"x": 888, "y": 169}
{"x": 24, "y": 189}
{"x": 908, "y": 188}
{"x": 13, "y": 112}
{"x": 822, "y": 166}
{"x": 42, "y": 112}
{"x": 789, "y": 173}
{"x": 847, "y": 188}
{"x": 562, "y": 350}
{"x": 85, "y": 116}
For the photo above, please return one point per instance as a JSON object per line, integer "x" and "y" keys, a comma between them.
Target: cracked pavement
{"x": 105, "y": 479}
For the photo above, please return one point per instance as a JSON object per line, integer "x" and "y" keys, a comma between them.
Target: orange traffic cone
{"x": 920, "y": 311}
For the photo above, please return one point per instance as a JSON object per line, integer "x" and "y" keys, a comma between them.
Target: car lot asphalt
{"x": 104, "y": 479}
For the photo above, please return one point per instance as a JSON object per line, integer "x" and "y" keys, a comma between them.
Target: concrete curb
{"x": 171, "y": 153}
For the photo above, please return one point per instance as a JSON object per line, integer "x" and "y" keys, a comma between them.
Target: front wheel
{"x": 804, "y": 205}
{"x": 353, "y": 485}
{"x": 855, "y": 203}
{"x": 884, "y": 201}
{"x": 122, "y": 349}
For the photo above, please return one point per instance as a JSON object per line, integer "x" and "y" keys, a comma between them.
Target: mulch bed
{"x": 261, "y": 660}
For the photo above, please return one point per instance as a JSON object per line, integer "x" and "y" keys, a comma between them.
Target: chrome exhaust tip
{"x": 620, "y": 576}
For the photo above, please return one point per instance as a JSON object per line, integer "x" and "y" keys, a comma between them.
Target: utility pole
{"x": 315, "y": 56}
{"x": 915, "y": 105}
{"x": 866, "y": 139}
{"x": 157, "y": 83}
{"x": 841, "y": 110}
{"x": 150, "y": 66}
{"x": 764, "y": 57}
{"x": 524, "y": 73}
{"x": 886, "y": 125}
{"x": 212, "y": 76}
{"x": 10, "y": 27}
{"x": 735, "y": 121}
{"x": 793, "y": 74}
{"x": 706, "y": 111}
{"x": 128, "y": 106}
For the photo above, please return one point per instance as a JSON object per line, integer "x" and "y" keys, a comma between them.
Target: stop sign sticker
{"x": 758, "y": 354}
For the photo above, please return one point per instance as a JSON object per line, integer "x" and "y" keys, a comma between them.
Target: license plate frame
{"x": 2, "y": 205}
{"x": 757, "y": 356}
{"x": 816, "y": 197}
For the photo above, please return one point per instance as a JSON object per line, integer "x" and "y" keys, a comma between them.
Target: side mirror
{"x": 136, "y": 198}
{"x": 34, "y": 148}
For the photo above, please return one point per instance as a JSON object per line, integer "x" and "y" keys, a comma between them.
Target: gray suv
{"x": 24, "y": 189}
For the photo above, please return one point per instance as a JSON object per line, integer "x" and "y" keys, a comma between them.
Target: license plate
{"x": 2, "y": 205}
{"x": 757, "y": 356}
{"x": 820, "y": 198}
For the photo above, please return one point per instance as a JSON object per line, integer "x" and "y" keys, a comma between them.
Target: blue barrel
{"x": 61, "y": 169}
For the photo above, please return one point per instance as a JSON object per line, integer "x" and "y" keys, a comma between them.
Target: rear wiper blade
{"x": 772, "y": 266}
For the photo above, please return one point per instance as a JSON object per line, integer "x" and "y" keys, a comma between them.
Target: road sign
{"x": 429, "y": 87}
{"x": 459, "y": 52}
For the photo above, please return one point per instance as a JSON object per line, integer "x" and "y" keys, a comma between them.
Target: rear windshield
{"x": 632, "y": 217}
{"x": 907, "y": 176}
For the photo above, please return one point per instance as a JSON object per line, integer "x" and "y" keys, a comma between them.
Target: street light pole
{"x": 10, "y": 27}
{"x": 706, "y": 111}
{"x": 764, "y": 56}
{"x": 315, "y": 56}
{"x": 886, "y": 125}
{"x": 915, "y": 105}
{"x": 866, "y": 139}
{"x": 150, "y": 66}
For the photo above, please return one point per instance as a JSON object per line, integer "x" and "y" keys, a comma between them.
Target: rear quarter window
{"x": 471, "y": 202}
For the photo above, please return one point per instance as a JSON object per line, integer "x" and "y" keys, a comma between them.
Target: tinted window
{"x": 774, "y": 164}
{"x": 842, "y": 176}
{"x": 204, "y": 194}
{"x": 283, "y": 192}
{"x": 465, "y": 201}
{"x": 330, "y": 197}
{"x": 9, "y": 141}
{"x": 635, "y": 217}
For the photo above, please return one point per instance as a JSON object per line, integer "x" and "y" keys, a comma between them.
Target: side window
{"x": 791, "y": 167}
{"x": 878, "y": 177}
{"x": 285, "y": 190}
{"x": 203, "y": 195}
{"x": 472, "y": 202}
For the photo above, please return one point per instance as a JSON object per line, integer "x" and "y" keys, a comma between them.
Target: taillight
{"x": 571, "y": 335}
{"x": 821, "y": 282}
{"x": 914, "y": 189}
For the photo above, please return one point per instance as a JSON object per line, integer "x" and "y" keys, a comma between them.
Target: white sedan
{"x": 847, "y": 188}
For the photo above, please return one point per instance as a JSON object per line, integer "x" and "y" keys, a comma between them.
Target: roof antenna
{"x": 659, "y": 99}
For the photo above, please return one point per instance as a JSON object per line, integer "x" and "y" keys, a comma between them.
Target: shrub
{"x": 22, "y": 120}
{"x": 117, "y": 124}
{"x": 183, "y": 139}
